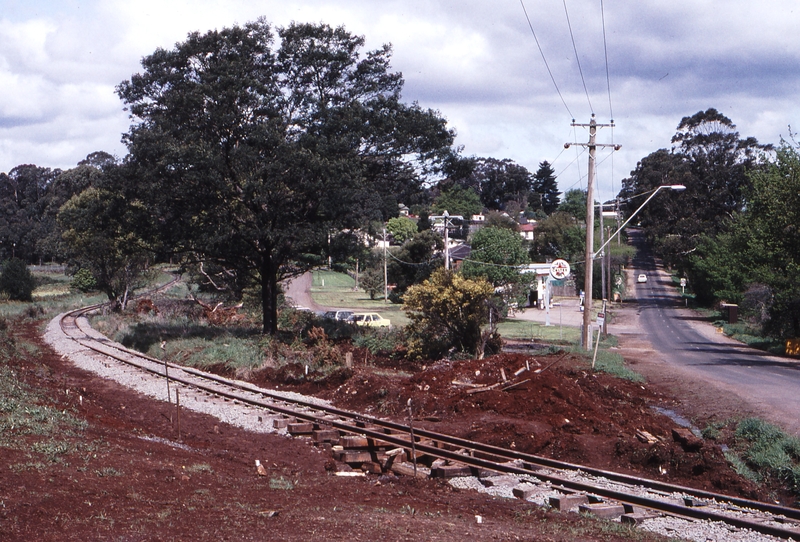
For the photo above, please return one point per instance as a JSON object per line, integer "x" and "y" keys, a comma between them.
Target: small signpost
{"x": 559, "y": 270}
{"x": 601, "y": 319}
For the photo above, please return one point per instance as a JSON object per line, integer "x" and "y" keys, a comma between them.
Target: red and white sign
{"x": 601, "y": 318}
{"x": 559, "y": 269}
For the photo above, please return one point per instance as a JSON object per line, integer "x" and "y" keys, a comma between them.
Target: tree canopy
{"x": 544, "y": 194}
{"x": 756, "y": 260}
{"x": 254, "y": 144}
{"x": 712, "y": 162}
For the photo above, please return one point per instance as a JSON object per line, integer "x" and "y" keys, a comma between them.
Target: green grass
{"x": 768, "y": 452}
{"x": 614, "y": 364}
{"x": 331, "y": 289}
{"x": 523, "y": 329}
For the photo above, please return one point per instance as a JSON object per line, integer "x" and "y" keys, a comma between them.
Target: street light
{"x": 587, "y": 313}
{"x": 676, "y": 187}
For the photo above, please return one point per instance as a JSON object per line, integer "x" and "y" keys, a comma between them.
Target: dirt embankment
{"x": 126, "y": 476}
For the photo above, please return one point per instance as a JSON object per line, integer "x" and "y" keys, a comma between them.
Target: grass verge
{"x": 766, "y": 452}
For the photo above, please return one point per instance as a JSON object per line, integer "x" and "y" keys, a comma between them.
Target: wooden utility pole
{"x": 385, "y": 271}
{"x": 586, "y": 335}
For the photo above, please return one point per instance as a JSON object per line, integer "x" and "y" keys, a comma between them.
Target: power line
{"x": 577, "y": 58}
{"x": 605, "y": 50}
{"x": 553, "y": 79}
{"x": 608, "y": 85}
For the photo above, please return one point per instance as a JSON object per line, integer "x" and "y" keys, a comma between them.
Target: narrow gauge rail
{"x": 767, "y": 518}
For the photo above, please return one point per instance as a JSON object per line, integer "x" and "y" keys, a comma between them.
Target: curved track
{"x": 469, "y": 456}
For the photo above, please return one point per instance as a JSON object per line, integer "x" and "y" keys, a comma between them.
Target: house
{"x": 526, "y": 230}
{"x": 459, "y": 253}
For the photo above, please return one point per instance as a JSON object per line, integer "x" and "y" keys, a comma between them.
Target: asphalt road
{"x": 771, "y": 382}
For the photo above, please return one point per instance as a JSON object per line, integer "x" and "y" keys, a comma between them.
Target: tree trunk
{"x": 269, "y": 299}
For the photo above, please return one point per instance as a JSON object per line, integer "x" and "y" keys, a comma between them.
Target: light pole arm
{"x": 670, "y": 186}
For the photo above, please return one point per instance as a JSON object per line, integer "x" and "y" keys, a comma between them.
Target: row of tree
{"x": 255, "y": 154}
{"x": 733, "y": 231}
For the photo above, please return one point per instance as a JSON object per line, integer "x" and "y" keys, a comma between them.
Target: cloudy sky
{"x": 476, "y": 61}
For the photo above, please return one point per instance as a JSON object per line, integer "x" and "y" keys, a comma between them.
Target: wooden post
{"x": 166, "y": 374}
{"x": 413, "y": 440}
{"x": 178, "y": 413}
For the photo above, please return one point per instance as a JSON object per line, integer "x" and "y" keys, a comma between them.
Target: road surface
{"x": 768, "y": 384}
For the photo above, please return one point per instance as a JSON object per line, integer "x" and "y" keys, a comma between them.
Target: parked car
{"x": 339, "y": 315}
{"x": 372, "y": 319}
{"x": 641, "y": 278}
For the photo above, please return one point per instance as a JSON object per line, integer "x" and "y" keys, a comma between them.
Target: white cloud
{"x": 474, "y": 61}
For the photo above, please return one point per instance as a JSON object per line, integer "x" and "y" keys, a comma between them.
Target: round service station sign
{"x": 559, "y": 269}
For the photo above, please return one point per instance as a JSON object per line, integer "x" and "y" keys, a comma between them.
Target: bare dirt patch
{"x": 128, "y": 477}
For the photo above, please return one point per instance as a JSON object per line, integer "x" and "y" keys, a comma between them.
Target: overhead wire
{"x": 541, "y": 52}
{"x": 577, "y": 58}
{"x": 605, "y": 51}
{"x": 608, "y": 86}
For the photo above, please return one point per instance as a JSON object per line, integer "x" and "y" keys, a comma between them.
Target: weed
{"x": 281, "y": 483}
{"x": 614, "y": 364}
{"x": 52, "y": 449}
{"x": 200, "y": 467}
{"x": 107, "y": 472}
{"x": 407, "y": 509}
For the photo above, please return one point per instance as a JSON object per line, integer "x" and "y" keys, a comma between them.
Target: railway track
{"x": 383, "y": 444}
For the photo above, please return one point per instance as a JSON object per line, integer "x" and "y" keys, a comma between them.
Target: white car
{"x": 641, "y": 278}
{"x": 371, "y": 319}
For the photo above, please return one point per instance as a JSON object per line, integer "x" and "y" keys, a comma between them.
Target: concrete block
{"x": 525, "y": 491}
{"x": 353, "y": 456}
{"x": 281, "y": 423}
{"x": 451, "y": 471}
{"x": 354, "y": 441}
{"x": 325, "y": 435}
{"x": 602, "y": 510}
{"x": 303, "y": 428}
{"x": 566, "y": 503}
{"x": 407, "y": 469}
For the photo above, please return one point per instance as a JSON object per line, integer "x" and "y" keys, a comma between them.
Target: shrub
{"x": 447, "y": 312}
{"x": 16, "y": 280}
{"x": 83, "y": 281}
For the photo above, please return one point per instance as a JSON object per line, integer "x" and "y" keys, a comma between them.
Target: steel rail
{"x": 480, "y": 455}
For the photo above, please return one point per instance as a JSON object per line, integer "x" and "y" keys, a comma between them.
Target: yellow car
{"x": 372, "y": 319}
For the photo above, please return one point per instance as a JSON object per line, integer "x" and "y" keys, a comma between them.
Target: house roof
{"x": 460, "y": 252}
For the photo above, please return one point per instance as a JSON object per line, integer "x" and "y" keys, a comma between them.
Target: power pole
{"x": 446, "y": 218}
{"x": 586, "y": 335}
{"x": 385, "y": 271}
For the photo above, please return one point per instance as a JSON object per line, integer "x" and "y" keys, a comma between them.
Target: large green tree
{"x": 574, "y": 204}
{"x": 103, "y": 230}
{"x": 255, "y": 145}
{"x": 756, "y": 260}
{"x": 22, "y": 204}
{"x": 544, "y": 194}
{"x": 496, "y": 256}
{"x": 712, "y": 162}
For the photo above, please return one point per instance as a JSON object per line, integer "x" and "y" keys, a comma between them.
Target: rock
{"x": 688, "y": 440}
